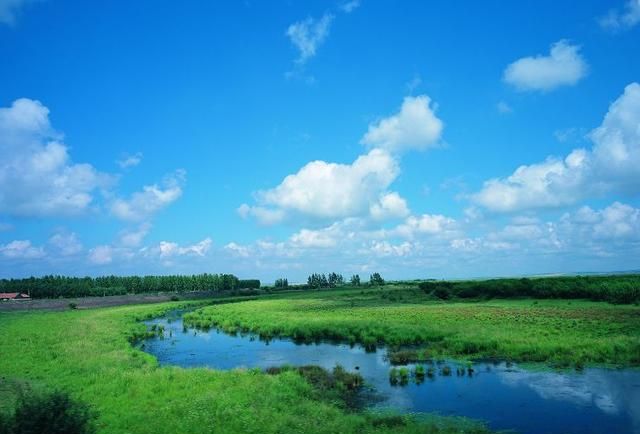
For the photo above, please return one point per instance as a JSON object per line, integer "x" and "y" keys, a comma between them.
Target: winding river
{"x": 505, "y": 396}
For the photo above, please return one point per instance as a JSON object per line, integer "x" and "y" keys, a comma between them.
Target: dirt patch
{"x": 94, "y": 302}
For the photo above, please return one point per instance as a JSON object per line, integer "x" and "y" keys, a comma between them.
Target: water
{"x": 505, "y": 396}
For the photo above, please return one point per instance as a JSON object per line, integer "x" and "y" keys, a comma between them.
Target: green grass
{"x": 88, "y": 353}
{"x": 557, "y": 332}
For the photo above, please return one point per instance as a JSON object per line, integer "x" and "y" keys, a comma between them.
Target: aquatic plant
{"x": 394, "y": 376}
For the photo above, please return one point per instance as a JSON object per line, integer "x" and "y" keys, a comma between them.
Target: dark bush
{"x": 51, "y": 413}
{"x": 249, "y": 284}
{"x": 442, "y": 293}
{"x": 388, "y": 421}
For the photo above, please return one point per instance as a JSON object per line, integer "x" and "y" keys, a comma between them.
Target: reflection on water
{"x": 507, "y": 397}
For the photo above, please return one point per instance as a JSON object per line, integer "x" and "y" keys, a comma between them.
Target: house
{"x": 5, "y": 296}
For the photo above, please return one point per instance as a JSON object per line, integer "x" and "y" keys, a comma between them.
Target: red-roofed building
{"x": 5, "y": 296}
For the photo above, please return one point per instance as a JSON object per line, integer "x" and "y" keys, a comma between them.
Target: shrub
{"x": 442, "y": 293}
{"x": 73, "y": 305}
{"x": 51, "y": 413}
{"x": 249, "y": 284}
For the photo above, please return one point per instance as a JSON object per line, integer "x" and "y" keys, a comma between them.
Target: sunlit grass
{"x": 88, "y": 353}
{"x": 558, "y": 332}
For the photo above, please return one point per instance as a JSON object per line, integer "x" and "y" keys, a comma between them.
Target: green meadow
{"x": 92, "y": 355}
{"x": 89, "y": 354}
{"x": 556, "y": 332}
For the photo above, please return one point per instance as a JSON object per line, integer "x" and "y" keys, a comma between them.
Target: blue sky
{"x": 276, "y": 139}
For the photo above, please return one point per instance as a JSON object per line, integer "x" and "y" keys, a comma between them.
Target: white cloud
{"x": 616, "y": 222}
{"x": 101, "y": 255}
{"x": 350, "y": 6}
{"x": 328, "y": 190}
{"x": 169, "y": 249}
{"x": 390, "y": 205}
{"x": 37, "y": 177}
{"x": 307, "y": 35}
{"x": 385, "y": 248}
{"x": 564, "y": 66}
{"x": 143, "y": 204}
{"x": 612, "y": 165}
{"x": 21, "y": 249}
{"x": 134, "y": 237}
{"x": 238, "y": 250}
{"x": 265, "y": 216}
{"x": 426, "y": 224}
{"x": 311, "y": 238}
{"x": 416, "y": 126}
{"x": 130, "y": 160}
{"x": 9, "y": 10}
{"x": 616, "y": 20}
{"x": 66, "y": 243}
{"x": 551, "y": 183}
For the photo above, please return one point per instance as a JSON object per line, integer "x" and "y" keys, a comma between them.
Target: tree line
{"x": 620, "y": 289}
{"x": 317, "y": 280}
{"x": 63, "y": 286}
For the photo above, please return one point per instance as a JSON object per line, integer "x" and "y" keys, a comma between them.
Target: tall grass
{"x": 553, "y": 331}
{"x": 88, "y": 354}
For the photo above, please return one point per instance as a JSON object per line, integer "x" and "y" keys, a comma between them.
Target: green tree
{"x": 355, "y": 280}
{"x": 376, "y": 280}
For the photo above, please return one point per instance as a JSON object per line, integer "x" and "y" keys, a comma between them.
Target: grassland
{"x": 88, "y": 353}
{"x": 556, "y": 332}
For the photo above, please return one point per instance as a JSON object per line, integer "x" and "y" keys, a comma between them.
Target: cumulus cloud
{"x": 101, "y": 255}
{"x": 143, "y": 204}
{"x": 390, "y": 205}
{"x": 21, "y": 249}
{"x": 328, "y": 190}
{"x": 612, "y": 165}
{"x": 238, "y": 250}
{"x": 134, "y": 237}
{"x": 307, "y": 35}
{"x": 618, "y": 221}
{"x": 564, "y": 66}
{"x": 66, "y": 243}
{"x": 265, "y": 216}
{"x": 37, "y": 176}
{"x": 169, "y": 249}
{"x": 617, "y": 20}
{"x": 426, "y": 224}
{"x": 385, "y": 248}
{"x": 415, "y": 126}
{"x": 130, "y": 160}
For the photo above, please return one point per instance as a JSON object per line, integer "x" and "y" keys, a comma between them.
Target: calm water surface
{"x": 506, "y": 397}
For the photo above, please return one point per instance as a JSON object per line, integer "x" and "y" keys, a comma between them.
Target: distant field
{"x": 558, "y": 332}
